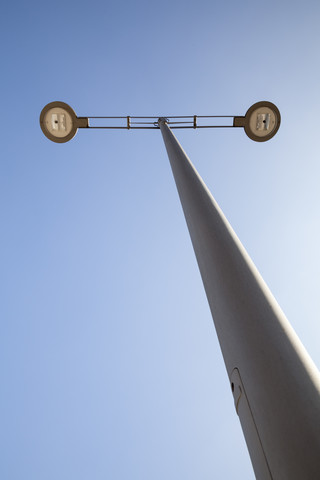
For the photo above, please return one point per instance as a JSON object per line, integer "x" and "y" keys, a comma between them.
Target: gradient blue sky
{"x": 110, "y": 365}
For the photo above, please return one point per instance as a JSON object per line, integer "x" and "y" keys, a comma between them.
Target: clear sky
{"x": 109, "y": 361}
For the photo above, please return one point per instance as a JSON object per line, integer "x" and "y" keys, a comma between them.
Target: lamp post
{"x": 275, "y": 385}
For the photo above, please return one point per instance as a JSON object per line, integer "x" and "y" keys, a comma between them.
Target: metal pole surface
{"x": 275, "y": 384}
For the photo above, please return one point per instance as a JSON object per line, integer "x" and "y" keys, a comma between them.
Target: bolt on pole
{"x": 275, "y": 384}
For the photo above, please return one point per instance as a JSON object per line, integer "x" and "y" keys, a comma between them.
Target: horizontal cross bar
{"x": 156, "y": 127}
{"x": 177, "y": 116}
{"x": 183, "y": 121}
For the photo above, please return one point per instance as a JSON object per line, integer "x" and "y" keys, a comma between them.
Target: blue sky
{"x": 110, "y": 365}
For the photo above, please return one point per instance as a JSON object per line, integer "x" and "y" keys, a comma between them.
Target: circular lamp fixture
{"x": 58, "y": 122}
{"x": 262, "y": 121}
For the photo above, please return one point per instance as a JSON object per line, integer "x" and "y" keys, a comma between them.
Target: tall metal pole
{"x": 275, "y": 384}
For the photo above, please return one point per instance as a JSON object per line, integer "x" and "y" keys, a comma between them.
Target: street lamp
{"x": 60, "y": 123}
{"x": 261, "y": 122}
{"x": 274, "y": 383}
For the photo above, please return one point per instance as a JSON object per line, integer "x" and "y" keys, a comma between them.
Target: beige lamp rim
{"x": 72, "y": 114}
{"x": 247, "y": 117}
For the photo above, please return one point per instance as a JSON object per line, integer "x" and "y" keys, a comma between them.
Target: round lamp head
{"x": 262, "y": 121}
{"x": 58, "y": 122}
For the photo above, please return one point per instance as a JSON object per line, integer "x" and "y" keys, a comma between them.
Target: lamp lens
{"x": 58, "y": 122}
{"x": 262, "y": 121}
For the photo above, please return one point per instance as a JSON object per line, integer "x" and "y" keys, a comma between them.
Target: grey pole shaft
{"x": 275, "y": 384}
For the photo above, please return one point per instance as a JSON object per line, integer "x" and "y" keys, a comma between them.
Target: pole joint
{"x": 162, "y": 120}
